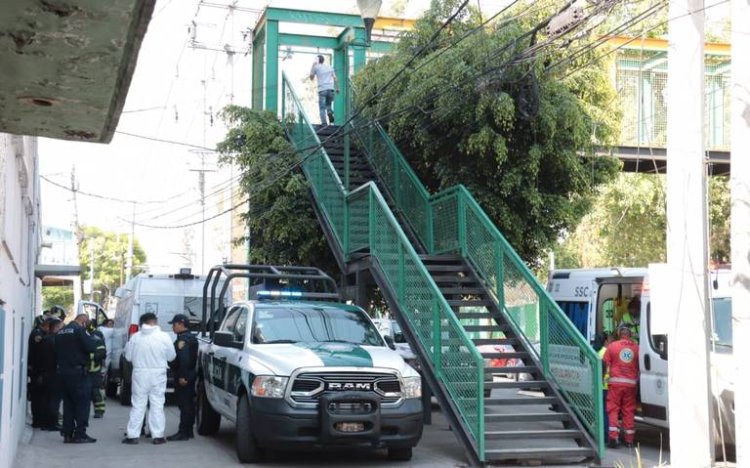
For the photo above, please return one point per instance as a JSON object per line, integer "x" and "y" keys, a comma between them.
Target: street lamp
{"x": 368, "y": 10}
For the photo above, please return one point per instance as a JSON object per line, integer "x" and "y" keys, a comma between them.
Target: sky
{"x": 182, "y": 79}
{"x": 176, "y": 92}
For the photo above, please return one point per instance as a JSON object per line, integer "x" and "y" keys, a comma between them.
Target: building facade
{"x": 20, "y": 243}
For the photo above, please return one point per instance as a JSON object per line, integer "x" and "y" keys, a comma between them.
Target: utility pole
{"x": 690, "y": 401}
{"x": 740, "y": 183}
{"x": 129, "y": 264}
{"x": 76, "y": 224}
{"x": 91, "y": 268}
{"x": 202, "y": 187}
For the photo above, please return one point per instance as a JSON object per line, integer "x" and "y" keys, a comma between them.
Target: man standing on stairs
{"x": 327, "y": 85}
{"x": 621, "y": 359}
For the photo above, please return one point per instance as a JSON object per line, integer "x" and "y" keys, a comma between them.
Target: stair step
{"x": 543, "y": 454}
{"x": 454, "y": 279}
{"x": 480, "y": 315}
{"x": 431, "y": 259}
{"x": 480, "y": 328}
{"x": 520, "y": 401}
{"x": 449, "y": 267}
{"x": 508, "y": 355}
{"x": 537, "y": 384}
{"x": 463, "y": 290}
{"x": 541, "y": 434}
{"x": 525, "y": 417}
{"x": 494, "y": 341}
{"x": 468, "y": 303}
{"x": 511, "y": 370}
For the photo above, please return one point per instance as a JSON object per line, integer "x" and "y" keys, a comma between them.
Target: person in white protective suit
{"x": 150, "y": 351}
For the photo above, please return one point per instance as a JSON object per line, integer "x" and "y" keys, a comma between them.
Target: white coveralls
{"x": 150, "y": 351}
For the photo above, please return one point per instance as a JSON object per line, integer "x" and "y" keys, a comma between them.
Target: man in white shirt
{"x": 328, "y": 87}
{"x": 150, "y": 351}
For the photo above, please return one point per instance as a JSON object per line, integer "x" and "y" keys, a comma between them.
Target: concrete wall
{"x": 19, "y": 288}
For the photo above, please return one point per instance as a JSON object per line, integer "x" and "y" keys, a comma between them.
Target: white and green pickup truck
{"x": 296, "y": 369}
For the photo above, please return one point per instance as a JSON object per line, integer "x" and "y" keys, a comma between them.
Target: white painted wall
{"x": 19, "y": 288}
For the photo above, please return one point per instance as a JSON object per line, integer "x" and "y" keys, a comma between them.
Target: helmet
{"x": 58, "y": 311}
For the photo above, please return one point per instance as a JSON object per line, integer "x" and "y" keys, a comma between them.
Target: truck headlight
{"x": 411, "y": 387}
{"x": 269, "y": 386}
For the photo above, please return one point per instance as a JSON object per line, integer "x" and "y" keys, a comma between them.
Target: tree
{"x": 282, "y": 223}
{"x": 110, "y": 255}
{"x": 511, "y": 132}
{"x": 628, "y": 225}
{"x": 57, "y": 295}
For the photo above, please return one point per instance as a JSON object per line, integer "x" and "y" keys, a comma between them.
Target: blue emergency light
{"x": 278, "y": 294}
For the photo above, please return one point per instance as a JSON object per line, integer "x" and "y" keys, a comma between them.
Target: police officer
{"x": 73, "y": 346}
{"x": 36, "y": 389}
{"x": 96, "y": 373}
{"x": 48, "y": 363}
{"x": 183, "y": 369}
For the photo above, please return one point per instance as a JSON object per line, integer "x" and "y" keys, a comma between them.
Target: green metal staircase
{"x": 463, "y": 296}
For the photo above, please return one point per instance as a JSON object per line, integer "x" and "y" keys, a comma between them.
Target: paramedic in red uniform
{"x": 621, "y": 359}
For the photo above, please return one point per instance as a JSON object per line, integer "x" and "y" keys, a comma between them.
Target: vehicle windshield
{"x": 313, "y": 324}
{"x": 723, "y": 321}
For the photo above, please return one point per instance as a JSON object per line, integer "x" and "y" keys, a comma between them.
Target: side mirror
{"x": 120, "y": 292}
{"x": 226, "y": 339}
{"x": 399, "y": 338}
{"x": 389, "y": 342}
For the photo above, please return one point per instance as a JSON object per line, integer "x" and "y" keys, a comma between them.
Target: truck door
{"x": 233, "y": 377}
{"x": 217, "y": 368}
{"x": 653, "y": 357}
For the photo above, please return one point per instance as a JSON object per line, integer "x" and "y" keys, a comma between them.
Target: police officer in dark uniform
{"x": 48, "y": 363}
{"x": 73, "y": 346}
{"x": 183, "y": 369}
{"x": 36, "y": 389}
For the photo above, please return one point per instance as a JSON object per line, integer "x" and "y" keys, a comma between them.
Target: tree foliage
{"x": 57, "y": 296}
{"x": 628, "y": 225}
{"x": 511, "y": 132}
{"x": 283, "y": 226}
{"x": 110, "y": 256}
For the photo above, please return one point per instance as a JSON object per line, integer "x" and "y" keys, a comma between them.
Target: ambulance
{"x": 596, "y": 300}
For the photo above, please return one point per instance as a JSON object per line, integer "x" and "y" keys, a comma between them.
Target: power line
{"x": 161, "y": 140}
{"x": 95, "y": 195}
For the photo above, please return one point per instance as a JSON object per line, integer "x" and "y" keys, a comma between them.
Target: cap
{"x": 180, "y": 318}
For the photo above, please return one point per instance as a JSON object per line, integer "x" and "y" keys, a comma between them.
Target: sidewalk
{"x": 438, "y": 448}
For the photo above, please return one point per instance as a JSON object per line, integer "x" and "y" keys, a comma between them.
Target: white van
{"x": 165, "y": 295}
{"x": 595, "y": 300}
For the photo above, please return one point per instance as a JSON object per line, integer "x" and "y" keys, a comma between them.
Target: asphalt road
{"x": 438, "y": 448}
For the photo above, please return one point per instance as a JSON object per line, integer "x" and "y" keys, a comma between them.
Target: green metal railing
{"x": 452, "y": 221}
{"x": 362, "y": 219}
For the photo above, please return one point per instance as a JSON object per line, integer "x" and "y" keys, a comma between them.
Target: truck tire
{"x": 247, "y": 449}
{"x": 110, "y": 387}
{"x": 125, "y": 393}
{"x": 400, "y": 454}
{"x": 208, "y": 420}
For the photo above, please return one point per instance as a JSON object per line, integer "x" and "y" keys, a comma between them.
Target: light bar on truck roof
{"x": 278, "y": 294}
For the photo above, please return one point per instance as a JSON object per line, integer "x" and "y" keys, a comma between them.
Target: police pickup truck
{"x": 296, "y": 369}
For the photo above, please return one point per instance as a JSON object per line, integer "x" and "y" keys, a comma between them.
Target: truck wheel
{"x": 399, "y": 454}
{"x": 208, "y": 419}
{"x": 125, "y": 392}
{"x": 247, "y": 449}
{"x": 110, "y": 388}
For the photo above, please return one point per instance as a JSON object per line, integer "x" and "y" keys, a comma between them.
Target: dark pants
{"x": 97, "y": 392}
{"x": 76, "y": 395}
{"x": 38, "y": 397}
{"x": 52, "y": 410}
{"x": 185, "y": 396}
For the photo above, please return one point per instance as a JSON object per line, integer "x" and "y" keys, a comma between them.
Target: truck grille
{"x": 309, "y": 386}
